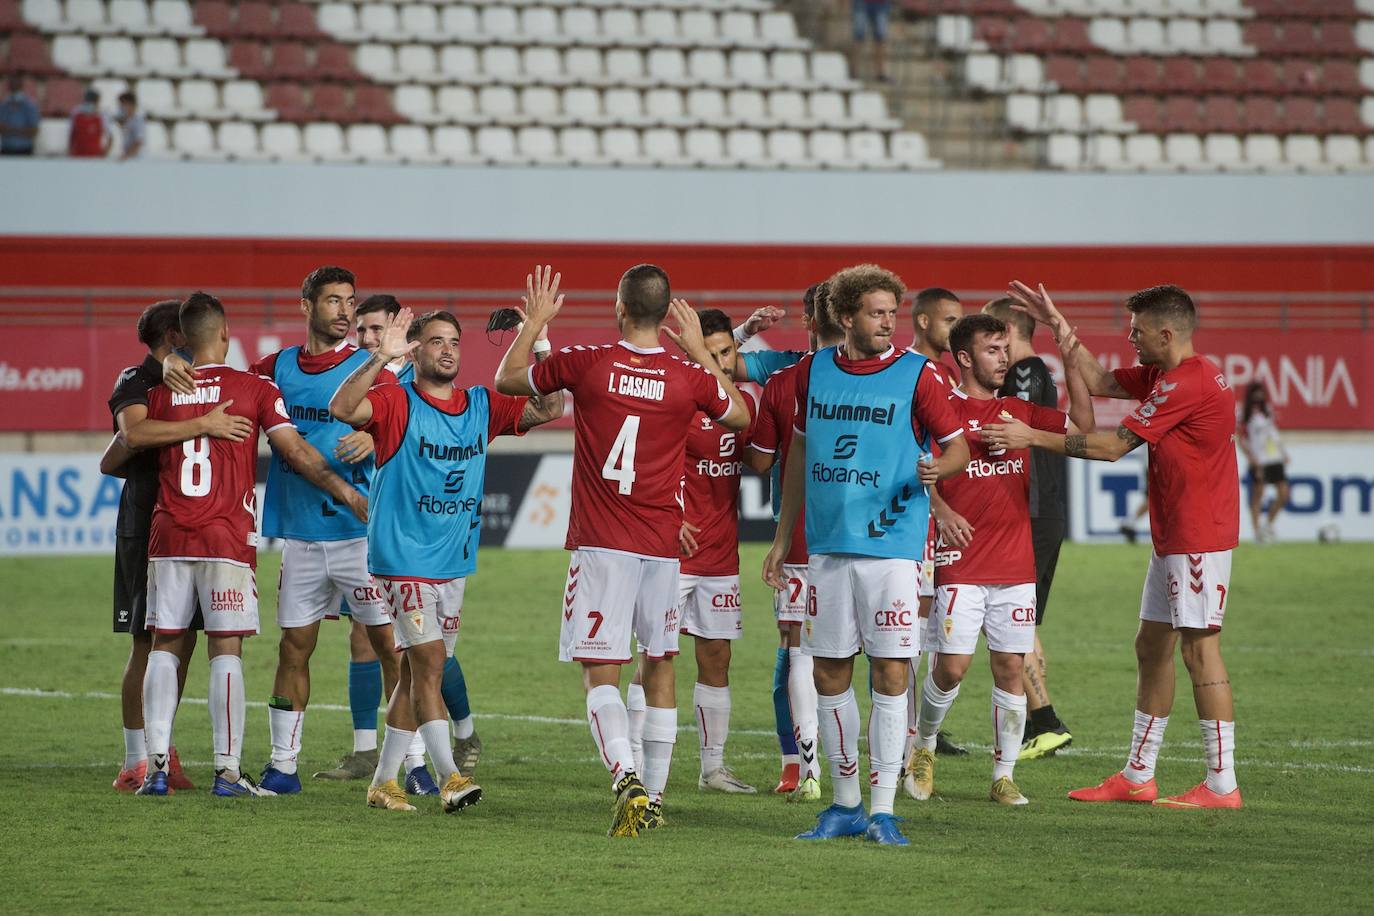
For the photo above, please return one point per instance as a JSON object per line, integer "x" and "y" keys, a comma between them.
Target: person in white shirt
{"x": 1259, "y": 437}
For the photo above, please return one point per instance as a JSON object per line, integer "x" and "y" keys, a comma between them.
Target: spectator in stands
{"x": 18, "y": 120}
{"x": 870, "y": 19}
{"x": 90, "y": 135}
{"x": 132, "y": 127}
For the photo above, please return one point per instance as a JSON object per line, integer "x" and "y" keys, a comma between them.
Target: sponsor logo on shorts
{"x": 367, "y": 593}
{"x": 1023, "y": 616}
{"x": 670, "y": 621}
{"x": 226, "y": 600}
{"x": 895, "y": 617}
{"x": 451, "y": 624}
{"x": 726, "y": 600}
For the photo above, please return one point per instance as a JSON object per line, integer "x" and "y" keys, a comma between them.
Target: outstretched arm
{"x": 350, "y": 402}
{"x": 762, "y": 319}
{"x": 542, "y": 304}
{"x": 540, "y": 295}
{"x": 141, "y": 433}
{"x": 1095, "y": 446}
{"x": 688, "y": 336}
{"x": 1037, "y": 304}
{"x": 1081, "y": 418}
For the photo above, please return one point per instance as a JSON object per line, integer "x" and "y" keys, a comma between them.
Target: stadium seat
{"x": 86, "y": 17}
{"x": 417, "y": 62}
{"x": 578, "y": 23}
{"x": 1342, "y": 115}
{"x": 1146, "y": 36}
{"x": 1221, "y": 114}
{"x": 704, "y": 147}
{"x": 667, "y": 66}
{"x": 60, "y": 96}
{"x": 827, "y": 109}
{"x": 497, "y": 23}
{"x": 1064, "y": 151}
{"x": 243, "y": 99}
{"x": 118, "y": 55}
{"x": 72, "y": 53}
{"x": 453, "y": 144}
{"x": 788, "y": 107}
{"x": 1304, "y": 151}
{"x": 620, "y": 145}
{"x": 583, "y": 64}
{"x": 288, "y": 101}
{"x": 411, "y": 143}
{"x": 867, "y": 149}
{"x": 698, "y": 25}
{"x": 1220, "y": 75}
{"x": 199, "y": 98}
{"x": 329, "y": 101}
{"x": 664, "y": 106}
{"x": 1223, "y": 151}
{"x": 624, "y": 106}
{"x": 289, "y": 60}
{"x": 496, "y": 145}
{"x": 829, "y": 68}
{"x": 1024, "y": 73}
{"x": 157, "y": 143}
{"x": 1144, "y": 75}
{"x": 746, "y": 147}
{"x": 501, "y": 63}
{"x": 543, "y": 64}
{"x": 707, "y": 65}
{"x": 193, "y": 140}
{"x": 130, "y": 17}
{"x": 415, "y": 103}
{"x": 749, "y": 68}
{"x": 984, "y": 72}
{"x": 1023, "y": 112}
{"x": 46, "y": 15}
{"x": 1144, "y": 151}
{"x": 281, "y": 141}
{"x": 788, "y": 148}
{"x": 297, "y": 20}
{"x": 1109, "y": 34}
{"x": 1264, "y": 151}
{"x": 869, "y": 109}
{"x": 541, "y": 105}
{"x": 1262, "y": 115}
{"x": 459, "y": 63}
{"x": 156, "y": 97}
{"x": 1184, "y": 151}
{"x": 458, "y": 22}
{"x": 255, "y": 20}
{"x": 538, "y": 145}
{"x": 707, "y": 106}
{"x": 1180, "y": 74}
{"x": 658, "y": 26}
{"x": 620, "y": 26}
{"x": 324, "y": 142}
{"x": 1063, "y": 113}
{"x": 1105, "y": 151}
{"x": 339, "y": 20}
{"x": 778, "y": 30}
{"x": 788, "y": 68}
{"x": 499, "y": 104}
{"x": 333, "y": 62}
{"x": 663, "y": 147}
{"x": 237, "y": 140}
{"x": 52, "y": 137}
{"x": 206, "y": 58}
{"x": 456, "y": 103}
{"x": 828, "y": 148}
{"x": 580, "y": 146}
{"x": 367, "y": 142}
{"x": 738, "y": 27}
{"x": 539, "y": 23}
{"x": 1343, "y": 151}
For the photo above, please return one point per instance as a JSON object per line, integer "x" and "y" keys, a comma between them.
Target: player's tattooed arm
{"x": 350, "y": 402}
{"x": 1095, "y": 446}
{"x": 541, "y": 408}
{"x": 307, "y": 461}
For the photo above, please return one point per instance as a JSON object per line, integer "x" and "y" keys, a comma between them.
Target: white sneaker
{"x": 1269, "y": 536}
{"x": 722, "y": 780}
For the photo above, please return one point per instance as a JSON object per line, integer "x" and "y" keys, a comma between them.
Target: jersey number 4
{"x": 195, "y": 467}
{"x": 620, "y": 463}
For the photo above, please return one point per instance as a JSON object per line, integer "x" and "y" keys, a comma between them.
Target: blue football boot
{"x": 882, "y": 829}
{"x": 155, "y": 783}
{"x": 835, "y": 822}
{"x": 419, "y": 782}
{"x": 244, "y": 787}
{"x": 277, "y": 782}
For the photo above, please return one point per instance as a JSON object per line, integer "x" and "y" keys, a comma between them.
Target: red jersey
{"x": 931, "y": 411}
{"x": 391, "y": 412}
{"x": 1187, "y": 416}
{"x": 633, "y": 410}
{"x": 993, "y": 494}
{"x": 314, "y": 363}
{"x": 710, "y": 494}
{"x": 206, "y": 504}
{"x": 772, "y": 435}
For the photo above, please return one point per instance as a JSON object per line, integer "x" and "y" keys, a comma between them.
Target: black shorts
{"x": 1269, "y": 473}
{"x": 1047, "y": 535}
{"x": 131, "y": 588}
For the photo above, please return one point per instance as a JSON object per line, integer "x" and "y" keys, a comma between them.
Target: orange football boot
{"x": 1199, "y": 796}
{"x": 1117, "y": 788}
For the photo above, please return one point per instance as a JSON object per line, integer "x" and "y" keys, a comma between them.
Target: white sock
{"x": 839, "y": 731}
{"x": 801, "y": 694}
{"x": 435, "y": 735}
{"x": 463, "y": 728}
{"x": 415, "y": 752}
{"x": 886, "y": 735}
{"x": 1219, "y": 743}
{"x": 226, "y": 711}
{"x": 660, "y": 734}
{"x": 610, "y": 730}
{"x": 135, "y": 747}
{"x": 935, "y": 704}
{"x": 286, "y": 726}
{"x": 159, "y": 706}
{"x": 634, "y": 709}
{"x": 1008, "y": 725}
{"x": 913, "y": 706}
{"x": 713, "y": 720}
{"x": 394, "y": 745}
{"x": 1146, "y": 739}
{"x": 364, "y": 739}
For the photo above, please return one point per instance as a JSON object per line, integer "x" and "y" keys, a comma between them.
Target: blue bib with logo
{"x": 863, "y": 496}
{"x": 293, "y": 507}
{"x": 425, "y": 514}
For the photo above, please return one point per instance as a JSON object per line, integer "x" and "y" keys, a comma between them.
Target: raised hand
{"x": 688, "y": 335}
{"x": 763, "y": 319}
{"x": 220, "y": 424}
{"x": 542, "y": 301}
{"x": 178, "y": 375}
{"x": 393, "y": 344}
{"x": 1038, "y": 304}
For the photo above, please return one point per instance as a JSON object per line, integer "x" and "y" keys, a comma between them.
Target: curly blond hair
{"x": 848, "y": 287}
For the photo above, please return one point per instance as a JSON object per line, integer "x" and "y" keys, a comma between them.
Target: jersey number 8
{"x": 195, "y": 467}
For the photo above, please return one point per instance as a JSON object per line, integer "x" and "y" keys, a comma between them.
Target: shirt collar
{"x": 633, "y": 349}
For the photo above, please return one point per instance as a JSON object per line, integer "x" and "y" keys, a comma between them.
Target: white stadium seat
{"x": 130, "y": 17}
{"x": 538, "y": 144}
{"x": 620, "y": 145}
{"x": 866, "y": 148}
{"x": 367, "y": 142}
{"x": 983, "y": 71}
{"x": 582, "y": 105}
{"x": 237, "y": 139}
{"x": 456, "y": 103}
{"x": 453, "y": 144}
{"x": 1184, "y": 151}
{"x": 415, "y": 103}
{"x": 1064, "y": 151}
{"x": 663, "y": 146}
{"x": 281, "y": 141}
{"x": 788, "y": 148}
{"x": 497, "y": 145}
{"x": 1063, "y": 113}
{"x": 243, "y": 98}
{"x": 199, "y": 98}
{"x": 1105, "y": 151}
{"x": 707, "y": 106}
{"x": 1223, "y": 151}
{"x": 458, "y": 21}
{"x": 174, "y": 17}
{"x": 156, "y": 97}
{"x": 1144, "y": 151}
{"x": 580, "y": 145}
{"x": 745, "y": 147}
{"x": 73, "y": 53}
{"x": 205, "y": 56}
{"x": 1343, "y": 151}
{"x": 324, "y": 141}
{"x": 747, "y": 106}
{"x": 664, "y": 106}
{"x": 411, "y": 143}
{"x": 1023, "y": 112}
{"x": 1305, "y": 152}
{"x": 1264, "y": 151}
{"x": 828, "y": 147}
{"x": 704, "y": 146}
{"x": 459, "y": 62}
{"x": 193, "y": 139}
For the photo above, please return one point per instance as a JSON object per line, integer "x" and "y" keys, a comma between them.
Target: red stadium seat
{"x": 1265, "y": 36}
{"x": 1071, "y": 36}
{"x": 373, "y": 104}
{"x": 1103, "y": 74}
{"x": 1221, "y": 114}
{"x": 288, "y": 100}
{"x": 1067, "y": 73}
{"x": 1262, "y": 76}
{"x": 1032, "y": 35}
{"x": 60, "y": 96}
{"x": 1182, "y": 114}
{"x": 1340, "y": 77}
{"x": 995, "y": 31}
{"x": 1143, "y": 74}
{"x": 1262, "y": 115}
{"x": 11, "y": 20}
{"x": 1338, "y": 40}
{"x": 1300, "y": 115}
{"x": 1181, "y": 75}
{"x": 1143, "y": 111}
{"x": 289, "y": 61}
{"x": 297, "y": 20}
{"x": 215, "y": 17}
{"x": 333, "y": 62}
{"x": 29, "y": 54}
{"x": 1342, "y": 116}
{"x": 247, "y": 57}
{"x": 1301, "y": 76}
{"x": 329, "y": 102}
{"x": 255, "y": 20}
{"x": 1219, "y": 74}
{"x": 1302, "y": 38}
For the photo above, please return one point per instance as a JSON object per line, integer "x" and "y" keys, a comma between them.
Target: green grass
{"x": 1298, "y": 643}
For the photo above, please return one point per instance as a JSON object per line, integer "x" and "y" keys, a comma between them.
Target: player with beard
{"x": 635, "y": 403}
{"x": 1029, "y": 379}
{"x": 866, "y": 415}
{"x": 432, "y": 442}
{"x": 987, "y": 584}
{"x": 794, "y": 684}
{"x": 1187, "y": 415}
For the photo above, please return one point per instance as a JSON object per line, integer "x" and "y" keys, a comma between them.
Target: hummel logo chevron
{"x": 897, "y": 507}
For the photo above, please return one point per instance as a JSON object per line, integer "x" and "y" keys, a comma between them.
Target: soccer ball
{"x": 1329, "y": 534}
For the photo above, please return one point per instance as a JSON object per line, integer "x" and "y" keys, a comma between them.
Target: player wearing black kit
{"x": 1029, "y": 378}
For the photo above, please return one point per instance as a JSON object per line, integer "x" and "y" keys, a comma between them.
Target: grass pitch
{"x": 1298, "y": 643}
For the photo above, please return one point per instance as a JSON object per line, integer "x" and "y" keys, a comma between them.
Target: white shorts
{"x": 928, "y": 563}
{"x": 228, "y": 594}
{"x": 1187, "y": 590}
{"x": 862, "y": 603}
{"x": 790, "y": 604}
{"x": 611, "y": 596}
{"x": 315, "y": 575}
{"x": 1004, "y": 613}
{"x": 422, "y": 612}
{"x": 710, "y": 606}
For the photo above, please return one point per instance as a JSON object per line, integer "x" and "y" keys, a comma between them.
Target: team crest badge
{"x": 949, "y": 626}
{"x": 417, "y": 620}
